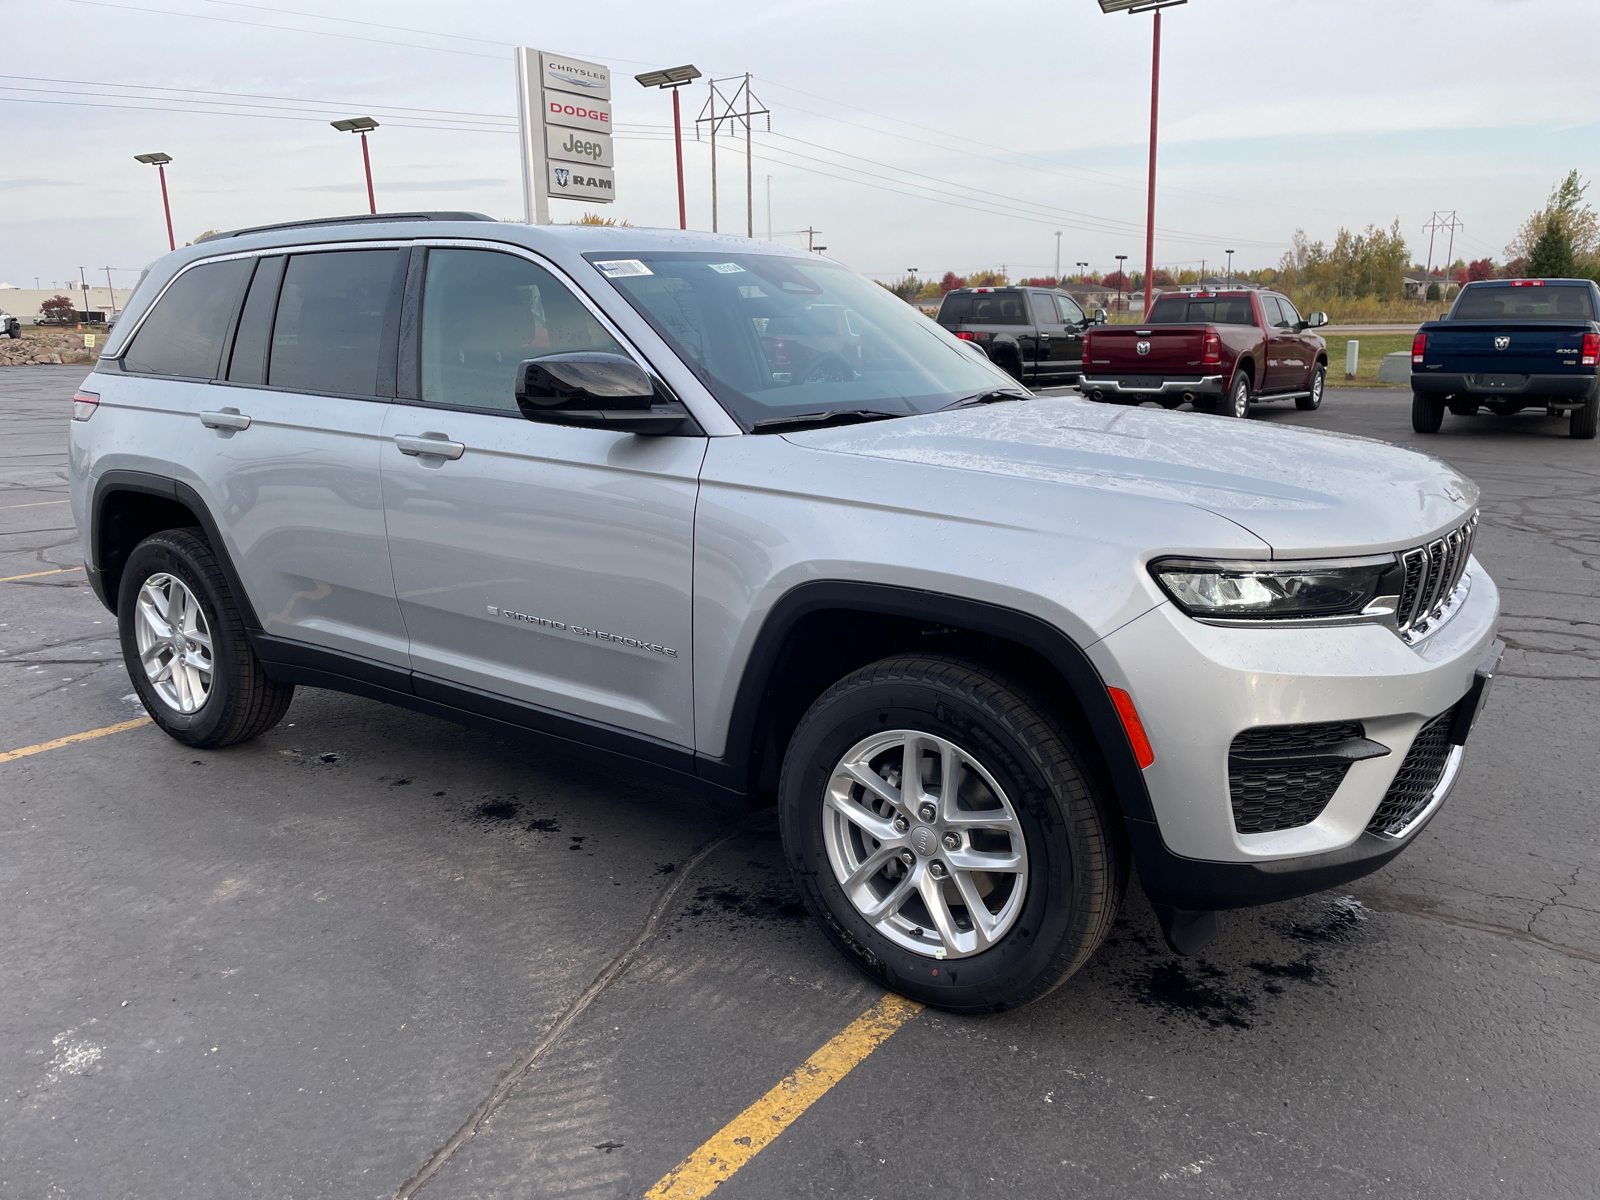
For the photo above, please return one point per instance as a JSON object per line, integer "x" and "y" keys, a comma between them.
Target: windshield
{"x": 1500, "y": 303}
{"x": 777, "y": 336}
{"x": 1201, "y": 310}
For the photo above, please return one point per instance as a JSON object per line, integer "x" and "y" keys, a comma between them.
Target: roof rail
{"x": 359, "y": 219}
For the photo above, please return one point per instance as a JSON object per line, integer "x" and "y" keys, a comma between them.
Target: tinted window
{"x": 483, "y": 313}
{"x": 1273, "y": 313}
{"x": 1216, "y": 310}
{"x": 184, "y": 333}
{"x": 955, "y": 310}
{"x": 1501, "y": 303}
{"x": 1044, "y": 309}
{"x": 330, "y": 321}
{"x": 249, "y": 362}
{"x": 1070, "y": 312}
{"x": 1290, "y": 313}
{"x": 998, "y": 308}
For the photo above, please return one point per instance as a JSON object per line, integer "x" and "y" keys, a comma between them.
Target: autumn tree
{"x": 1580, "y": 224}
{"x": 1551, "y": 256}
{"x": 59, "y": 309}
{"x": 1480, "y": 269}
{"x": 951, "y": 282}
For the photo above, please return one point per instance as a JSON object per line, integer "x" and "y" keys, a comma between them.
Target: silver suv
{"x": 734, "y": 511}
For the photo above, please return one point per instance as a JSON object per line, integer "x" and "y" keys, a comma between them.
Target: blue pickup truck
{"x": 1507, "y": 345}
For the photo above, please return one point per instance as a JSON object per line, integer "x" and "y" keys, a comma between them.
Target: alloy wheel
{"x": 925, "y": 844}
{"x": 174, "y": 642}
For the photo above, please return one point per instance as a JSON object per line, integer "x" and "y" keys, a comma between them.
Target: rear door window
{"x": 330, "y": 319}
{"x": 485, "y": 313}
{"x": 183, "y": 334}
{"x": 1044, "y": 309}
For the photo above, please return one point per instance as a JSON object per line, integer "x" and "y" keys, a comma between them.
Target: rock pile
{"x": 37, "y": 346}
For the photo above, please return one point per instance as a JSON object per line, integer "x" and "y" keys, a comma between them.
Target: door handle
{"x": 430, "y": 443}
{"x": 228, "y": 418}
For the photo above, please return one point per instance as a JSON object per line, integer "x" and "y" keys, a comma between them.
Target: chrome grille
{"x": 1432, "y": 575}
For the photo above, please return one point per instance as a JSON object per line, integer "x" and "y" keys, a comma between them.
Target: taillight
{"x": 964, "y": 335}
{"x": 1591, "y": 349}
{"x": 84, "y": 405}
{"x": 1211, "y": 350}
{"x": 1419, "y": 347}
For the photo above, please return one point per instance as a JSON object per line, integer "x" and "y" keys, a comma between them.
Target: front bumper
{"x": 1197, "y": 687}
{"x": 1200, "y": 385}
{"x": 1436, "y": 383}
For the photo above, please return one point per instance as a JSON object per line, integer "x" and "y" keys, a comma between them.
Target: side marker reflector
{"x": 1133, "y": 727}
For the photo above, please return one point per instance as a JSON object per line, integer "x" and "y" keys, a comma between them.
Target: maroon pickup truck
{"x": 1221, "y": 351}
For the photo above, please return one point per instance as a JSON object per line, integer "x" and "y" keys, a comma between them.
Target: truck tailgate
{"x": 1170, "y": 349}
{"x": 1531, "y": 348}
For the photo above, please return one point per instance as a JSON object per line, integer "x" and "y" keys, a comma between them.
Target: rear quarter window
{"x": 184, "y": 332}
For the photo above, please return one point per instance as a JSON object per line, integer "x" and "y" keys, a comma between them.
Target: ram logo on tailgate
{"x": 1500, "y": 343}
{"x": 1142, "y": 347}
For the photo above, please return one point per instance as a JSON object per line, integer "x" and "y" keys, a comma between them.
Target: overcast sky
{"x": 931, "y": 134}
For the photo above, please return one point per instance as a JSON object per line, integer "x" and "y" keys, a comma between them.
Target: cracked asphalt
{"x": 295, "y": 968}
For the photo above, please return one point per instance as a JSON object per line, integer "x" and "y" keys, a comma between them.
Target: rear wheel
{"x": 1311, "y": 403}
{"x": 945, "y": 831}
{"x": 1427, "y": 412}
{"x": 184, "y": 644}
{"x": 1581, "y": 424}
{"x": 1237, "y": 403}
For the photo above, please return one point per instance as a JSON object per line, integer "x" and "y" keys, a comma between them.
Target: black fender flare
{"x": 732, "y": 770}
{"x": 150, "y": 484}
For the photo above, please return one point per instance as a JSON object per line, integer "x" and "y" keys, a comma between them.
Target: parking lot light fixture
{"x": 361, "y": 125}
{"x": 1122, "y": 281}
{"x": 159, "y": 162}
{"x": 672, "y": 79}
{"x": 1230, "y": 265}
{"x": 1155, "y": 6}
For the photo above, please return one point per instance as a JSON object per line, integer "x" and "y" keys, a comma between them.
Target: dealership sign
{"x": 564, "y": 119}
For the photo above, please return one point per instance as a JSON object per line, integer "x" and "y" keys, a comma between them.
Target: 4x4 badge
{"x": 1500, "y": 343}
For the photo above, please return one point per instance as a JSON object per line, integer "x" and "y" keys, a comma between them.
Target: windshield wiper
{"x": 993, "y": 396}
{"x": 848, "y": 416}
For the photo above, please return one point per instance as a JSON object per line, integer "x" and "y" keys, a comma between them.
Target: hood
{"x": 1302, "y": 491}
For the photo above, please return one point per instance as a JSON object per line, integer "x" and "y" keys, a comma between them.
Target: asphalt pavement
{"x": 371, "y": 947}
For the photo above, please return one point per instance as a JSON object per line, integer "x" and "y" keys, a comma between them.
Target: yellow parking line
{"x": 8, "y": 755}
{"x": 35, "y": 504}
{"x": 36, "y": 574}
{"x": 742, "y": 1138}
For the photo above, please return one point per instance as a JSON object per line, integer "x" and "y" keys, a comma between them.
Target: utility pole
{"x": 811, "y": 237}
{"x": 112, "y": 290}
{"x": 84, "y": 280}
{"x": 1440, "y": 221}
{"x": 719, "y": 108}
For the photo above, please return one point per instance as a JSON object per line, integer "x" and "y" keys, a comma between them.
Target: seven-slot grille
{"x": 1432, "y": 574}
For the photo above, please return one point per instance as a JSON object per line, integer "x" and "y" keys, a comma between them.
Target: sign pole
{"x": 530, "y": 132}
{"x": 677, "y": 140}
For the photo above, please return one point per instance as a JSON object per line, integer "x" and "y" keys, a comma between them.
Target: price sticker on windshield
{"x": 618, "y": 268}
{"x": 726, "y": 268}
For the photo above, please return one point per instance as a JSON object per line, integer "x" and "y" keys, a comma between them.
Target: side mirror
{"x": 1100, "y": 317}
{"x": 594, "y": 390}
{"x": 1316, "y": 320}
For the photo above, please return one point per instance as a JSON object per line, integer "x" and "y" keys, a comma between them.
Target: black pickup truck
{"x": 1510, "y": 344}
{"x": 1034, "y": 334}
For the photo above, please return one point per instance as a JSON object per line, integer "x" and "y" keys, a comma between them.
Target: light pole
{"x": 362, "y": 125}
{"x": 1230, "y": 265}
{"x": 672, "y": 79}
{"x": 1122, "y": 282}
{"x": 1083, "y": 272}
{"x": 1058, "y": 258}
{"x": 1139, "y": 6}
{"x": 159, "y": 162}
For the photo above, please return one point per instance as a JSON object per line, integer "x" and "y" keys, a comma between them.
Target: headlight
{"x": 1339, "y": 587}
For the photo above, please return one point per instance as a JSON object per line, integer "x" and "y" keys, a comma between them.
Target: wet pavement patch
{"x": 1342, "y": 920}
{"x": 1195, "y": 991}
{"x": 772, "y": 901}
{"x": 497, "y": 810}
{"x": 542, "y": 825}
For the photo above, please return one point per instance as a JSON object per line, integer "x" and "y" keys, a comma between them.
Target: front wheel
{"x": 184, "y": 644}
{"x": 1581, "y": 424}
{"x": 1427, "y": 412}
{"x": 1313, "y": 401}
{"x": 944, "y": 830}
{"x": 1237, "y": 403}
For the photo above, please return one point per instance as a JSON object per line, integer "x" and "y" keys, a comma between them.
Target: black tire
{"x": 242, "y": 702}
{"x": 1077, "y": 858}
{"x": 1581, "y": 422}
{"x": 1319, "y": 379}
{"x": 1237, "y": 401}
{"x": 1427, "y": 412}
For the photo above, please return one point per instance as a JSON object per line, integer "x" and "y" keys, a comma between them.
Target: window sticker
{"x": 619, "y": 268}
{"x": 726, "y": 268}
